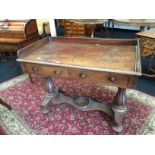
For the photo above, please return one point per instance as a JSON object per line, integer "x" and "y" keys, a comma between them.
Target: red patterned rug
{"x": 2, "y": 132}
{"x": 25, "y": 99}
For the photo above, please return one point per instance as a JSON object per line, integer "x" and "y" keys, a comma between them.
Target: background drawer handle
{"x": 82, "y": 75}
{"x": 112, "y": 78}
{"x": 34, "y": 69}
{"x": 57, "y": 72}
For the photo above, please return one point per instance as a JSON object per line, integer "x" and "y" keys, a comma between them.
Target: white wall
{"x": 52, "y": 27}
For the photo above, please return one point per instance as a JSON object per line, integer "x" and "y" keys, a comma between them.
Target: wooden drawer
{"x": 78, "y": 28}
{"x": 68, "y": 24}
{"x": 148, "y": 43}
{"x": 112, "y": 79}
{"x": 147, "y": 52}
{"x": 74, "y": 32}
{"x": 74, "y": 28}
{"x": 75, "y": 35}
{"x": 46, "y": 70}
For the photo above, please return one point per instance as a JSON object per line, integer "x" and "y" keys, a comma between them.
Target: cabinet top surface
{"x": 148, "y": 33}
{"x": 117, "y": 58}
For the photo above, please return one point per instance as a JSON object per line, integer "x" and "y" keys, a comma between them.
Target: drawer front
{"x": 147, "y": 51}
{"x": 112, "y": 79}
{"x": 67, "y": 23}
{"x": 148, "y": 43}
{"x": 46, "y": 70}
{"x": 74, "y": 32}
{"x": 77, "y": 28}
{"x": 74, "y": 35}
{"x": 100, "y": 77}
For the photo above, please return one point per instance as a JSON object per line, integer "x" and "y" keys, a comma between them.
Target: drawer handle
{"x": 112, "y": 78}
{"x": 82, "y": 75}
{"x": 34, "y": 69}
{"x": 57, "y": 72}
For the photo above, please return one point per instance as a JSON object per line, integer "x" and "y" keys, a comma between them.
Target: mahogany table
{"x": 114, "y": 62}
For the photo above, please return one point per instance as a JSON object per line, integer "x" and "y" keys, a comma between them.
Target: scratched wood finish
{"x": 94, "y": 56}
{"x": 86, "y": 55}
{"x": 83, "y": 60}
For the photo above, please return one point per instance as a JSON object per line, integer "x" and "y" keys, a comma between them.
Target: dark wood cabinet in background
{"x": 15, "y": 34}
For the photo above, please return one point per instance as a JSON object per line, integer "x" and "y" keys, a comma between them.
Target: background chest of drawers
{"x": 147, "y": 42}
{"x": 73, "y": 29}
{"x": 76, "y": 29}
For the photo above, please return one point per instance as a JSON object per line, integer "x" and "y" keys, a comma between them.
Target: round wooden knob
{"x": 34, "y": 69}
{"x": 112, "y": 79}
{"x": 57, "y": 72}
{"x": 82, "y": 75}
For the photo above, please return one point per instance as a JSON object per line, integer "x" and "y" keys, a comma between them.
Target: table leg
{"x": 106, "y": 30}
{"x": 50, "y": 93}
{"x": 93, "y": 31}
{"x": 90, "y": 30}
{"x": 5, "y": 104}
{"x": 142, "y": 28}
{"x": 31, "y": 79}
{"x": 13, "y": 59}
{"x": 119, "y": 109}
{"x": 2, "y": 56}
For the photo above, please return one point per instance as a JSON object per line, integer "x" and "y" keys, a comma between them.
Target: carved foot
{"x": 119, "y": 109}
{"x": 45, "y": 110}
{"x": 45, "y": 105}
{"x": 117, "y": 128}
{"x": 118, "y": 117}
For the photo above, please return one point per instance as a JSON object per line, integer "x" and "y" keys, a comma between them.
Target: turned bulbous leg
{"x": 51, "y": 92}
{"x": 119, "y": 109}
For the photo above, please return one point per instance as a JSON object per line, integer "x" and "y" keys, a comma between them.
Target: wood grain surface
{"x": 97, "y": 56}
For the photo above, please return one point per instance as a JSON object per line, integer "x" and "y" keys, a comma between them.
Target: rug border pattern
{"x": 12, "y": 124}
